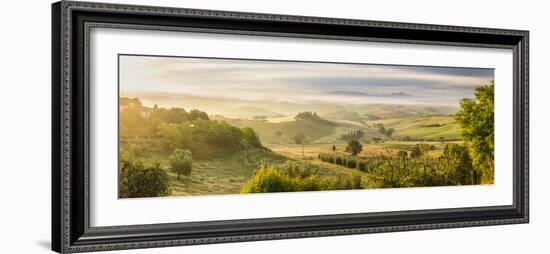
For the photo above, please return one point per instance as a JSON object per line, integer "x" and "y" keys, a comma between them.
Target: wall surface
{"x": 25, "y": 125}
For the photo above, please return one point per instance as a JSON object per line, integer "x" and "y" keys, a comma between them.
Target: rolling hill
{"x": 250, "y": 112}
{"x": 237, "y": 108}
{"x": 425, "y": 127}
{"x": 268, "y": 131}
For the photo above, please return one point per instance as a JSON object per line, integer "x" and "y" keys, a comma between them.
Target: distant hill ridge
{"x": 353, "y": 93}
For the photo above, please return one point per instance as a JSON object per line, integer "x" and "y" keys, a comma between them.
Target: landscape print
{"x": 209, "y": 126}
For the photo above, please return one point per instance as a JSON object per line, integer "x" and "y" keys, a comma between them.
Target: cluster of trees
{"x": 207, "y": 139}
{"x": 297, "y": 176}
{"x": 306, "y": 115}
{"x": 453, "y": 167}
{"x": 356, "y": 134}
{"x": 139, "y": 121}
{"x": 161, "y": 131}
{"x": 387, "y": 132}
{"x": 311, "y": 116}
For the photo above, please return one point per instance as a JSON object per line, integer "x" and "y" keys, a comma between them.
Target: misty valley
{"x": 258, "y": 147}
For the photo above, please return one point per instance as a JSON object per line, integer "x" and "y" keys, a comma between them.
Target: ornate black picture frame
{"x": 71, "y": 230}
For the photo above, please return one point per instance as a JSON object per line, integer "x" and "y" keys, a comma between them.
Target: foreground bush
{"x": 141, "y": 179}
{"x": 297, "y": 176}
{"x": 268, "y": 180}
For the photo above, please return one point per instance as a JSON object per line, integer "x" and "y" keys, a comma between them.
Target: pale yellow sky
{"x": 297, "y": 81}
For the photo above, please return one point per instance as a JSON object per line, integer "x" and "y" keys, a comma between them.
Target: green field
{"x": 424, "y": 127}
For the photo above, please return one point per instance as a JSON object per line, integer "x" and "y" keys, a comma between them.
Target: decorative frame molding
{"x": 71, "y": 22}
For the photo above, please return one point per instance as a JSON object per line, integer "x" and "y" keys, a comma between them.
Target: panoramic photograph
{"x": 209, "y": 126}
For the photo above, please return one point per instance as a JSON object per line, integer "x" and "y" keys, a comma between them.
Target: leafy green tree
{"x": 476, "y": 118}
{"x": 181, "y": 162}
{"x": 354, "y": 147}
{"x": 141, "y": 179}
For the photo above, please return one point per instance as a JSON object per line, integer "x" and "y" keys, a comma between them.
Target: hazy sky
{"x": 297, "y": 81}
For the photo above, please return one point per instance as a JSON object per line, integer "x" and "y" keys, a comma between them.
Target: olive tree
{"x": 181, "y": 162}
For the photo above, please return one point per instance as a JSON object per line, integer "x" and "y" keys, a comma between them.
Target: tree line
{"x": 415, "y": 168}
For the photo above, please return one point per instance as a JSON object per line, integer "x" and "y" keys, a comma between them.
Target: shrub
{"x": 351, "y": 163}
{"x": 361, "y": 165}
{"x": 267, "y": 180}
{"x": 297, "y": 176}
{"x": 141, "y": 179}
{"x": 356, "y": 181}
{"x": 338, "y": 160}
{"x": 416, "y": 152}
